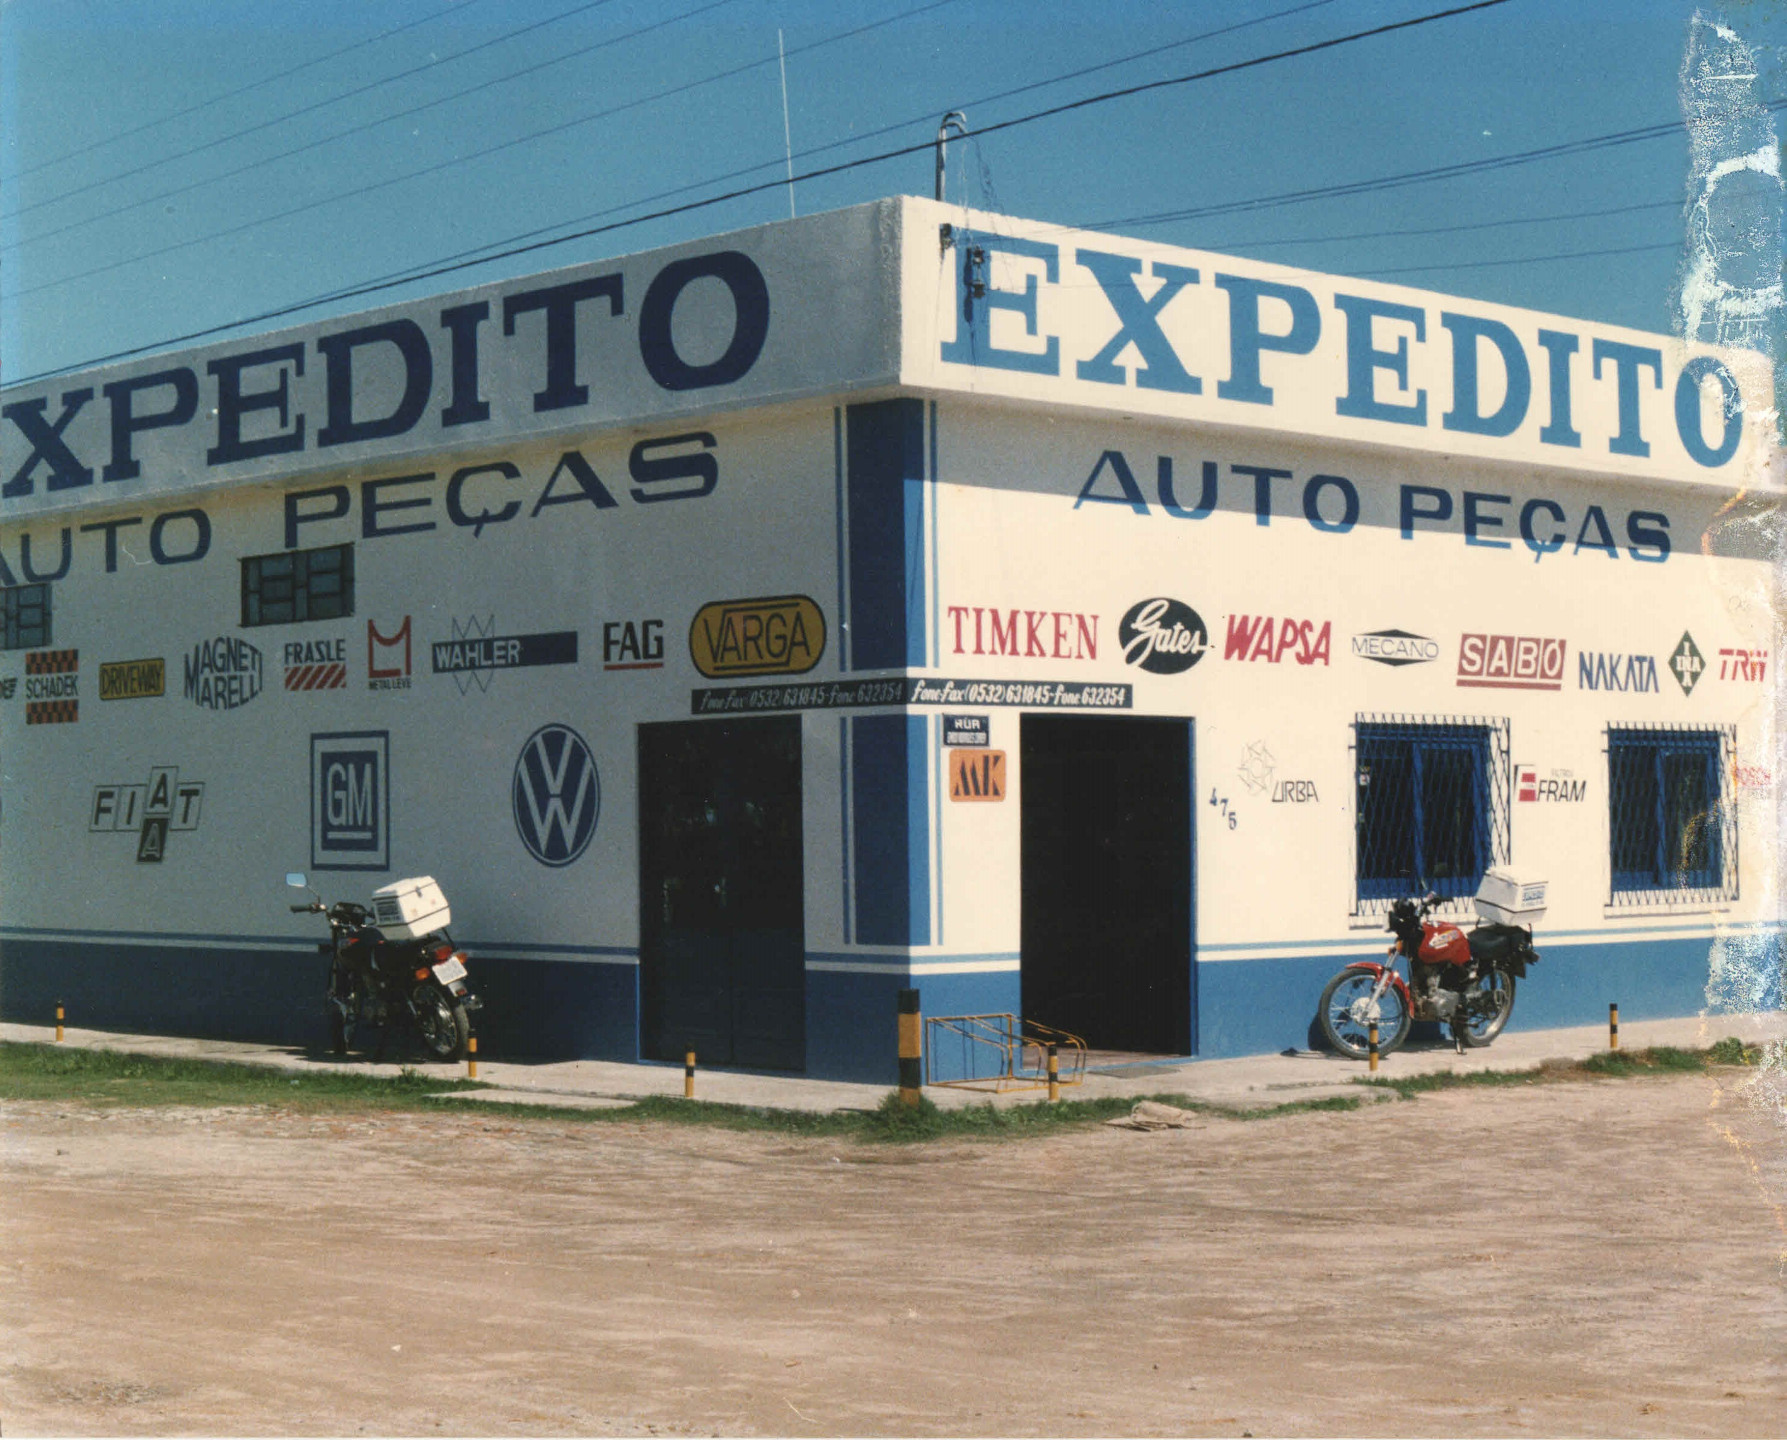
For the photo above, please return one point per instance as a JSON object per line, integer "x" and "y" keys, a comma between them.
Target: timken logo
{"x": 1395, "y": 647}
{"x": 777, "y": 635}
{"x": 1511, "y": 662}
{"x": 133, "y": 679}
{"x": 1031, "y": 634}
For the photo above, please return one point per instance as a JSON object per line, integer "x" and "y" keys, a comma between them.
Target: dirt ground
{"x": 1589, "y": 1258}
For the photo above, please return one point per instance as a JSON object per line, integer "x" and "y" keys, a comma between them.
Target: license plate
{"x": 449, "y": 970}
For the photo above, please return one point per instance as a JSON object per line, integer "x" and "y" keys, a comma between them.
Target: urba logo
{"x": 1262, "y": 637}
{"x": 778, "y": 635}
{"x": 223, "y": 674}
{"x": 1162, "y": 636}
{"x": 1511, "y": 662}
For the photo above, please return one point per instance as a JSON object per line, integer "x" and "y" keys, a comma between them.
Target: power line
{"x": 1526, "y": 260}
{"x": 240, "y": 90}
{"x": 212, "y": 144}
{"x": 1235, "y": 245}
{"x": 883, "y": 156}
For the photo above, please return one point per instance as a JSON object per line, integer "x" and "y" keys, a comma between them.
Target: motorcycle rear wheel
{"x": 442, "y": 1022}
{"x": 1347, "y": 1011}
{"x": 1484, "y": 1010}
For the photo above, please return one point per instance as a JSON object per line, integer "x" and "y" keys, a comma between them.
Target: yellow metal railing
{"x": 999, "y": 1053}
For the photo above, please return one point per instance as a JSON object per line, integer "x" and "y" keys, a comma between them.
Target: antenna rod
{"x": 787, "y": 143}
{"x": 958, "y": 122}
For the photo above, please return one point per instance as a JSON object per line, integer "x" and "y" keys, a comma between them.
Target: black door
{"x": 1107, "y": 880}
{"x": 722, "y": 952}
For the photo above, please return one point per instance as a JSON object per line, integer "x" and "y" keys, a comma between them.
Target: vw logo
{"x": 557, "y": 795}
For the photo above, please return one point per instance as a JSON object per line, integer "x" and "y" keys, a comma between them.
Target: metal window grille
{"x": 24, "y": 616}
{"x": 1431, "y": 806}
{"x": 298, "y": 585}
{"x": 1671, "y": 815}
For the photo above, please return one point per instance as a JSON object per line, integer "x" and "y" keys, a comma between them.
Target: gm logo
{"x": 350, "y": 801}
{"x": 557, "y": 795}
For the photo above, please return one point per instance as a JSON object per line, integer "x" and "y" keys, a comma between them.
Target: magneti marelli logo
{"x": 556, "y": 795}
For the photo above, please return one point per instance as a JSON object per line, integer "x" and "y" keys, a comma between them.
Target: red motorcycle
{"x": 1464, "y": 979}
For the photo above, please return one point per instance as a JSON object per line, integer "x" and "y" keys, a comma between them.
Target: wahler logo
{"x": 1162, "y": 636}
{"x": 133, "y": 679}
{"x": 223, "y": 674}
{"x": 1395, "y": 647}
{"x": 476, "y": 652}
{"x": 1511, "y": 662}
{"x": 775, "y": 635}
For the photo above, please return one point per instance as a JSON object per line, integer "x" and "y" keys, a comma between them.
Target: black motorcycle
{"x": 378, "y": 981}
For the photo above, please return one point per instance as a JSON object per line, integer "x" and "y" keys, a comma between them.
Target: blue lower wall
{"x": 852, "y": 1019}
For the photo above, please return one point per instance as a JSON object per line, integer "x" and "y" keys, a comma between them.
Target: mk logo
{"x": 556, "y": 795}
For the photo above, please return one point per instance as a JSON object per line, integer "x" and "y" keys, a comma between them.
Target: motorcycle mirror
{"x": 297, "y": 879}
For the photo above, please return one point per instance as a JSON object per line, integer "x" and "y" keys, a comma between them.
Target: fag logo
{"x": 556, "y": 795}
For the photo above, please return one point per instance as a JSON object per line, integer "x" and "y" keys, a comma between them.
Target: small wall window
{"x": 1432, "y": 806}
{"x": 1672, "y": 829}
{"x": 298, "y": 585}
{"x": 24, "y": 616}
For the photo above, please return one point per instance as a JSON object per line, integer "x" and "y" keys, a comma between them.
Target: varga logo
{"x": 778, "y": 635}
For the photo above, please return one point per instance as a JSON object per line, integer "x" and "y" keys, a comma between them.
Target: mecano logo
{"x": 1395, "y": 647}
{"x": 776, "y": 635}
{"x": 556, "y": 795}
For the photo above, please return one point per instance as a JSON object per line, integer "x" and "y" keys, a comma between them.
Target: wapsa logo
{"x": 556, "y": 795}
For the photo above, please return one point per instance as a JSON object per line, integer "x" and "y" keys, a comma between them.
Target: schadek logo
{"x": 388, "y": 657}
{"x": 316, "y": 664}
{"x": 148, "y": 811}
{"x": 1263, "y": 637}
{"x": 1556, "y": 787}
{"x": 1162, "y": 636}
{"x": 476, "y": 652}
{"x": 1605, "y": 670}
{"x": 1511, "y": 662}
{"x": 556, "y": 795}
{"x": 223, "y": 674}
{"x": 350, "y": 800}
{"x": 52, "y": 687}
{"x": 1395, "y": 647}
{"x": 1686, "y": 664}
{"x": 777, "y": 635}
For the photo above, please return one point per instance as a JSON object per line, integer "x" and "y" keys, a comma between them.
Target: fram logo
{"x": 1261, "y": 637}
{"x": 1511, "y": 662}
{"x": 1560, "y": 786}
{"x": 388, "y": 657}
{"x": 556, "y": 795}
{"x": 350, "y": 801}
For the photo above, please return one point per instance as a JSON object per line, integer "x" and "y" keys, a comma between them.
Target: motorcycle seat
{"x": 1496, "y": 943}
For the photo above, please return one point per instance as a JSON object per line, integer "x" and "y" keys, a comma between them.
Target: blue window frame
{"x": 1432, "y": 806}
{"x": 1671, "y": 831}
{"x": 295, "y": 586}
{"x": 24, "y": 616}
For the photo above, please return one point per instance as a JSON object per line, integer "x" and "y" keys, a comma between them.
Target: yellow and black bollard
{"x": 1054, "y": 1074}
{"x": 911, "y": 1048}
{"x": 58, "y": 1024}
{"x": 1374, "y": 1047}
{"x": 688, "y": 1074}
{"x": 471, "y": 1058}
{"x": 1613, "y": 1027}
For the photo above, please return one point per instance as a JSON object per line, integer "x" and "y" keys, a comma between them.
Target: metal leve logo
{"x": 557, "y": 795}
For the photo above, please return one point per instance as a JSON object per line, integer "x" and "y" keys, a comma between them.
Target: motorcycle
{"x": 394, "y": 962}
{"x": 1462, "y": 979}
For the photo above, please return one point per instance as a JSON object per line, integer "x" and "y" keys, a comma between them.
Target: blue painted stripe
{"x": 884, "y": 498}
{"x": 837, "y": 449}
{"x": 936, "y": 572}
{"x": 890, "y": 817}
{"x": 35, "y": 932}
{"x": 844, "y": 816}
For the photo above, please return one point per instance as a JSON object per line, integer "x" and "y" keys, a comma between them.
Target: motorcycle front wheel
{"x": 1347, "y": 1011}
{"x": 444, "y": 1026}
{"x": 1484, "y": 1010}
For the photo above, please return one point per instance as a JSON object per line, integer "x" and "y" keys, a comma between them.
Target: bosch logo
{"x": 557, "y": 795}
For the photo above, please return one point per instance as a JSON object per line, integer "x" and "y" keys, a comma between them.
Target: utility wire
{"x": 371, "y": 85}
{"x": 1235, "y": 245}
{"x": 1524, "y": 260}
{"x": 879, "y": 158}
{"x": 239, "y": 90}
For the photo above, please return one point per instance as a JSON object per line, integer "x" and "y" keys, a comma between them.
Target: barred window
{"x": 1432, "y": 806}
{"x": 298, "y": 585}
{"x": 24, "y": 616}
{"x": 1672, "y": 833}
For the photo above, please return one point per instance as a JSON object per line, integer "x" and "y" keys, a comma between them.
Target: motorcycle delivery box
{"x": 410, "y": 909}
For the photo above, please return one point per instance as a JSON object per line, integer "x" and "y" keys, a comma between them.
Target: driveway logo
{"x": 557, "y": 795}
{"x": 350, "y": 801}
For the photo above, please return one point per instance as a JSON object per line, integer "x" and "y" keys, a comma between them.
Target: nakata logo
{"x": 1261, "y": 637}
{"x": 1028, "y": 634}
{"x": 1163, "y": 637}
{"x": 1511, "y": 662}
{"x": 1395, "y": 647}
{"x": 779, "y": 635}
{"x": 557, "y": 795}
{"x": 1600, "y": 670}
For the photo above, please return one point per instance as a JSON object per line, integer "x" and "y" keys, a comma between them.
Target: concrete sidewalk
{"x": 1247, "y": 1083}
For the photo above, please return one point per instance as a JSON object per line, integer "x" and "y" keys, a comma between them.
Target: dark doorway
{"x": 722, "y": 944}
{"x": 1107, "y": 880}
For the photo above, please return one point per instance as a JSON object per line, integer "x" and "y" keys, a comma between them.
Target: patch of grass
{"x": 1609, "y": 1064}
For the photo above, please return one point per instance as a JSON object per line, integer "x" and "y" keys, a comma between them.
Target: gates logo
{"x": 388, "y": 657}
{"x": 350, "y": 801}
{"x": 1163, "y": 637}
{"x": 557, "y": 795}
{"x": 780, "y": 635}
{"x": 1511, "y": 662}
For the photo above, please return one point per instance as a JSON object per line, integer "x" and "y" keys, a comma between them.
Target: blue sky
{"x": 167, "y": 166}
